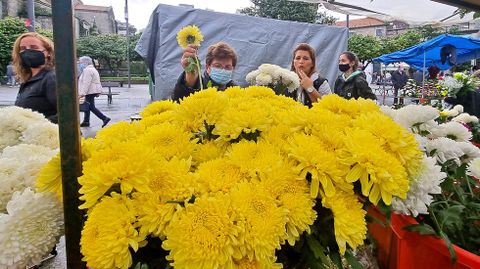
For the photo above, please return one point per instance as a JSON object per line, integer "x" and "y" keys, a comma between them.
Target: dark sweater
{"x": 354, "y": 86}
{"x": 181, "y": 89}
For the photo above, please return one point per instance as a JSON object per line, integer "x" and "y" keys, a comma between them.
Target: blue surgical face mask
{"x": 220, "y": 76}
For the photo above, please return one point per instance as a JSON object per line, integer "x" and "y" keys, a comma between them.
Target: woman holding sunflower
{"x": 220, "y": 63}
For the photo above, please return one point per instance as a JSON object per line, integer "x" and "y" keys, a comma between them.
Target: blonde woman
{"x": 33, "y": 61}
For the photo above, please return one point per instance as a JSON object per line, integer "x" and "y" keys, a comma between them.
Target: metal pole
{"x": 424, "y": 66}
{"x": 69, "y": 128}
{"x": 348, "y": 25}
{"x": 31, "y": 15}
{"x": 128, "y": 43}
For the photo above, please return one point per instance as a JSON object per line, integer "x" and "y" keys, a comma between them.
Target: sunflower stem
{"x": 199, "y": 74}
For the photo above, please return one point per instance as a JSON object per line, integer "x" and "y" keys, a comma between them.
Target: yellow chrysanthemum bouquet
{"x": 191, "y": 35}
{"x": 240, "y": 179}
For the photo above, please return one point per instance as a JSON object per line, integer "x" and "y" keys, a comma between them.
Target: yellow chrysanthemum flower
{"x": 264, "y": 219}
{"x": 209, "y": 150}
{"x": 128, "y": 164}
{"x": 190, "y": 34}
{"x": 218, "y": 175}
{"x": 246, "y": 263}
{"x": 259, "y": 92}
{"x": 204, "y": 235}
{"x": 49, "y": 179}
{"x": 349, "y": 219}
{"x": 170, "y": 184}
{"x": 277, "y": 135}
{"x": 255, "y": 158}
{"x": 394, "y": 139}
{"x": 109, "y": 234}
{"x": 168, "y": 141}
{"x": 293, "y": 194}
{"x": 158, "y": 107}
{"x": 235, "y": 92}
{"x": 381, "y": 174}
{"x": 351, "y": 108}
{"x": 205, "y": 106}
{"x": 325, "y": 169}
{"x": 119, "y": 132}
{"x": 244, "y": 118}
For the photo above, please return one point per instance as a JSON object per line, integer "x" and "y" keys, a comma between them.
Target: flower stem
{"x": 199, "y": 74}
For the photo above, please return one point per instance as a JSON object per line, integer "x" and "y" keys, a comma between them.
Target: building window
{"x": 379, "y": 32}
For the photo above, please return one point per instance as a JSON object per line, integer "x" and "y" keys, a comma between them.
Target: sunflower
{"x": 158, "y": 107}
{"x": 349, "y": 219}
{"x": 203, "y": 235}
{"x": 109, "y": 234}
{"x": 264, "y": 218}
{"x": 189, "y": 35}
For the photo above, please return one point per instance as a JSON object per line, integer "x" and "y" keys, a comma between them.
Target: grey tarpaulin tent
{"x": 256, "y": 40}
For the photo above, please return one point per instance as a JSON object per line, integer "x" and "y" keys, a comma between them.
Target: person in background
{"x": 220, "y": 63}
{"x": 312, "y": 85}
{"x": 89, "y": 87}
{"x": 351, "y": 84}
{"x": 10, "y": 75}
{"x": 399, "y": 80}
{"x": 33, "y": 61}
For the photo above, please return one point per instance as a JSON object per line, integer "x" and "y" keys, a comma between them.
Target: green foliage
{"x": 287, "y": 10}
{"x": 365, "y": 46}
{"x": 110, "y": 49}
{"x": 134, "y": 56}
{"x": 45, "y": 32}
{"x": 10, "y": 29}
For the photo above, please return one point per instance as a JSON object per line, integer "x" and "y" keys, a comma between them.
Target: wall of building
{"x": 104, "y": 21}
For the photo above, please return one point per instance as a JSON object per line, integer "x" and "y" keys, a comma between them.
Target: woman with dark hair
{"x": 33, "y": 61}
{"x": 351, "y": 83}
{"x": 312, "y": 85}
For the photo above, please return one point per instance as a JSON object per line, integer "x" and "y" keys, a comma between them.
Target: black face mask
{"x": 32, "y": 58}
{"x": 343, "y": 67}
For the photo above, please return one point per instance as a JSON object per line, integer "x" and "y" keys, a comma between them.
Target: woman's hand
{"x": 305, "y": 81}
{"x": 189, "y": 52}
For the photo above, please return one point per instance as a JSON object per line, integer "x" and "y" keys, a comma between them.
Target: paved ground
{"x": 129, "y": 102}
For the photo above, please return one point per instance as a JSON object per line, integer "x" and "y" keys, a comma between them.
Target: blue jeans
{"x": 90, "y": 98}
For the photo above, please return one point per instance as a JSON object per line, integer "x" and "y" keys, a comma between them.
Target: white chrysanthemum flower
{"x": 465, "y": 118}
{"x": 251, "y": 77}
{"x": 290, "y": 79}
{"x": 264, "y": 79}
{"x": 445, "y": 149}
{"x": 30, "y": 229}
{"x": 42, "y": 133}
{"x": 474, "y": 168}
{"x": 469, "y": 150}
{"x": 450, "y": 113}
{"x": 391, "y": 113}
{"x": 14, "y": 121}
{"x": 19, "y": 166}
{"x": 453, "y": 130}
{"x": 270, "y": 69}
{"x": 452, "y": 84}
{"x": 458, "y": 108}
{"x": 419, "y": 196}
{"x": 422, "y": 141}
{"x": 417, "y": 118}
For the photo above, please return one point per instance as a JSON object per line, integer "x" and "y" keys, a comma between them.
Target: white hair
{"x": 85, "y": 60}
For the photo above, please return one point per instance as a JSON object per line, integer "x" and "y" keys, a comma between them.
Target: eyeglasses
{"x": 220, "y": 66}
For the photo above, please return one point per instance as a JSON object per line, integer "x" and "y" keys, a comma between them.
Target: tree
{"x": 134, "y": 56}
{"x": 110, "y": 49}
{"x": 366, "y": 47}
{"x": 287, "y": 10}
{"x": 10, "y": 29}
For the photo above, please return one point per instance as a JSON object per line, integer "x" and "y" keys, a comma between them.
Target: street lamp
{"x": 128, "y": 43}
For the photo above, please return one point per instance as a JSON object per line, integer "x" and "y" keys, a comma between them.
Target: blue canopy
{"x": 467, "y": 48}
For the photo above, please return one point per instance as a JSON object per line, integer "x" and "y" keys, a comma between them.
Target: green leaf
{"x": 372, "y": 219}
{"x": 192, "y": 65}
{"x": 336, "y": 259}
{"x": 450, "y": 216}
{"x": 423, "y": 229}
{"x": 317, "y": 249}
{"x": 453, "y": 255}
{"x": 352, "y": 260}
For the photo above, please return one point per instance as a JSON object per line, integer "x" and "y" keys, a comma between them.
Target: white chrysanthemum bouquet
{"x": 275, "y": 77}
{"x": 459, "y": 84}
{"x": 31, "y": 222}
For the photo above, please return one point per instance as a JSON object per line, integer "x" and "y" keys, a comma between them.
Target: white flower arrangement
{"x": 30, "y": 228}
{"x": 474, "y": 168}
{"x": 416, "y": 118}
{"x": 458, "y": 84}
{"x": 274, "y": 76}
{"x": 445, "y": 149}
{"x": 453, "y": 130}
{"x": 419, "y": 196}
{"x": 23, "y": 126}
{"x": 465, "y": 118}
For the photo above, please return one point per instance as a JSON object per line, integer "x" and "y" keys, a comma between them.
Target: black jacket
{"x": 399, "y": 80}
{"x": 39, "y": 94}
{"x": 306, "y": 100}
{"x": 181, "y": 90}
{"x": 354, "y": 87}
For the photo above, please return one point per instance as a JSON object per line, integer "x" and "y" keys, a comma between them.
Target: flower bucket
{"x": 398, "y": 248}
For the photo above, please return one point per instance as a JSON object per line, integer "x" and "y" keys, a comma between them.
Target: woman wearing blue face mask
{"x": 33, "y": 61}
{"x": 220, "y": 63}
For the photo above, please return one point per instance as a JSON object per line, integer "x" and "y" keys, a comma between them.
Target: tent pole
{"x": 424, "y": 66}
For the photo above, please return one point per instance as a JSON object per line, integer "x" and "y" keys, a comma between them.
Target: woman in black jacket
{"x": 351, "y": 83}
{"x": 33, "y": 61}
